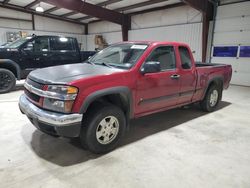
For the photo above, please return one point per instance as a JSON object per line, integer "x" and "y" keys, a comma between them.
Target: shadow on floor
{"x": 66, "y": 152}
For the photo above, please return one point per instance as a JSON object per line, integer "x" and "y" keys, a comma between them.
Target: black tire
{"x": 91, "y": 124}
{"x": 7, "y": 81}
{"x": 206, "y": 104}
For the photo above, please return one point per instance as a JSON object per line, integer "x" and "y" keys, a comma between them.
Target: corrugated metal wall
{"x": 181, "y": 24}
{"x": 187, "y": 33}
{"x": 44, "y": 26}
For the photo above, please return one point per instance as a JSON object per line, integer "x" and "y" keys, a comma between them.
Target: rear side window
{"x": 62, "y": 44}
{"x": 165, "y": 55}
{"x": 186, "y": 62}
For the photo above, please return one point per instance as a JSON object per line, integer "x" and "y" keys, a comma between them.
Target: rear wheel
{"x": 212, "y": 98}
{"x": 7, "y": 80}
{"x": 103, "y": 129}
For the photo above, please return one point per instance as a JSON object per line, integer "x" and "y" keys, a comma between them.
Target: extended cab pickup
{"x": 95, "y": 100}
{"x": 17, "y": 59}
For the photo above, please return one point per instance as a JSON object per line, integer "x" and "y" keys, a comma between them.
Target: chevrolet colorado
{"x": 95, "y": 100}
{"x": 22, "y": 56}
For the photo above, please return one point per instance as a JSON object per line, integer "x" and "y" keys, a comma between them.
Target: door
{"x": 64, "y": 51}
{"x": 188, "y": 76}
{"x": 35, "y": 53}
{"x": 233, "y": 31}
{"x": 158, "y": 90}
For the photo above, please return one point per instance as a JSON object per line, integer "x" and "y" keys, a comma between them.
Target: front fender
{"x": 10, "y": 64}
{"x": 123, "y": 91}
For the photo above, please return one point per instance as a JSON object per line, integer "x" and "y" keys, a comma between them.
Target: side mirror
{"x": 29, "y": 47}
{"x": 151, "y": 67}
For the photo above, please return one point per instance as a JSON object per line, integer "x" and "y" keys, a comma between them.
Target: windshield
{"x": 119, "y": 55}
{"x": 17, "y": 43}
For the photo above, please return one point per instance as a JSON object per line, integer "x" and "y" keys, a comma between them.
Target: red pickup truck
{"x": 96, "y": 99}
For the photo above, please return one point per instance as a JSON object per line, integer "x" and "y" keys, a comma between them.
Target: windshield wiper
{"x": 103, "y": 63}
{"x": 89, "y": 62}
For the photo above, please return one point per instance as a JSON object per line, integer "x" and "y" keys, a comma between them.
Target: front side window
{"x": 186, "y": 61}
{"x": 165, "y": 55}
{"x": 120, "y": 55}
{"x": 62, "y": 44}
{"x": 40, "y": 44}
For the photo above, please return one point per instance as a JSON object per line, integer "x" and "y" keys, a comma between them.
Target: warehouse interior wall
{"x": 182, "y": 24}
{"x": 43, "y": 26}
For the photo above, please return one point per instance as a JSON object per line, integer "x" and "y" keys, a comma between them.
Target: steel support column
{"x": 205, "y": 30}
{"x": 126, "y": 26}
{"x": 206, "y": 8}
{"x": 33, "y": 22}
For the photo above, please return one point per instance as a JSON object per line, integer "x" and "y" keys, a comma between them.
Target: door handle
{"x": 45, "y": 55}
{"x": 175, "y": 76}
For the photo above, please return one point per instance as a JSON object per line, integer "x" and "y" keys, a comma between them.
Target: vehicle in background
{"x": 95, "y": 100}
{"x": 20, "y": 57}
{"x": 4, "y": 45}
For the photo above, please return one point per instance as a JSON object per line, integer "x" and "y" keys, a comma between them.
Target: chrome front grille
{"x": 34, "y": 84}
{"x": 32, "y": 96}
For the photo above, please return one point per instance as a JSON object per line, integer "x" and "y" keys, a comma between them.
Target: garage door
{"x": 231, "y": 43}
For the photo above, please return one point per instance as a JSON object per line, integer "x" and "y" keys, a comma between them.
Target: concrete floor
{"x": 178, "y": 148}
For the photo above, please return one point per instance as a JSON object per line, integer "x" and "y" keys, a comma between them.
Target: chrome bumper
{"x": 52, "y": 118}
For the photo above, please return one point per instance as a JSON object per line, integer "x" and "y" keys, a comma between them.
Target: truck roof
{"x": 174, "y": 43}
{"x": 52, "y": 36}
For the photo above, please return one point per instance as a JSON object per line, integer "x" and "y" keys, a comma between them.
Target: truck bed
{"x": 208, "y": 71}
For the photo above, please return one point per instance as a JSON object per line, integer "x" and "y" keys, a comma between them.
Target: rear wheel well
{"x": 10, "y": 68}
{"x": 218, "y": 83}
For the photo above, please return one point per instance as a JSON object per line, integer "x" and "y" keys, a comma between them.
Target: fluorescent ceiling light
{"x": 39, "y": 9}
{"x": 63, "y": 39}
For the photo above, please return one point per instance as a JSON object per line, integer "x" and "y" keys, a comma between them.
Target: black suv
{"x": 20, "y": 57}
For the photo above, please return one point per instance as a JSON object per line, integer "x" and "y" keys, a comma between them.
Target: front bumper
{"x": 58, "y": 124}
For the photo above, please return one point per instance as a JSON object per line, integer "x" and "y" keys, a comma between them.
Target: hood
{"x": 7, "y": 53}
{"x": 64, "y": 74}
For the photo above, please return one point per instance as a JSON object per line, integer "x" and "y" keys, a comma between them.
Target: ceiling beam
{"x": 197, "y": 4}
{"x": 108, "y": 2}
{"x": 51, "y": 10}
{"x": 32, "y": 4}
{"x": 158, "y": 8}
{"x": 137, "y": 5}
{"x": 30, "y": 11}
{"x": 15, "y": 19}
{"x": 102, "y": 4}
{"x": 150, "y": 10}
{"x": 68, "y": 14}
{"x": 89, "y": 9}
{"x": 6, "y": 2}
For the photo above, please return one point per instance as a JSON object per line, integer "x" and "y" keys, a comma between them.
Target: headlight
{"x": 60, "y": 98}
{"x": 66, "y": 92}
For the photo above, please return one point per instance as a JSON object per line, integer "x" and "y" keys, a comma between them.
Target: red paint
{"x": 193, "y": 83}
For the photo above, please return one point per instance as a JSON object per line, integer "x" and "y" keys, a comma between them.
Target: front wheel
{"x": 7, "y": 80}
{"x": 212, "y": 99}
{"x": 103, "y": 129}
